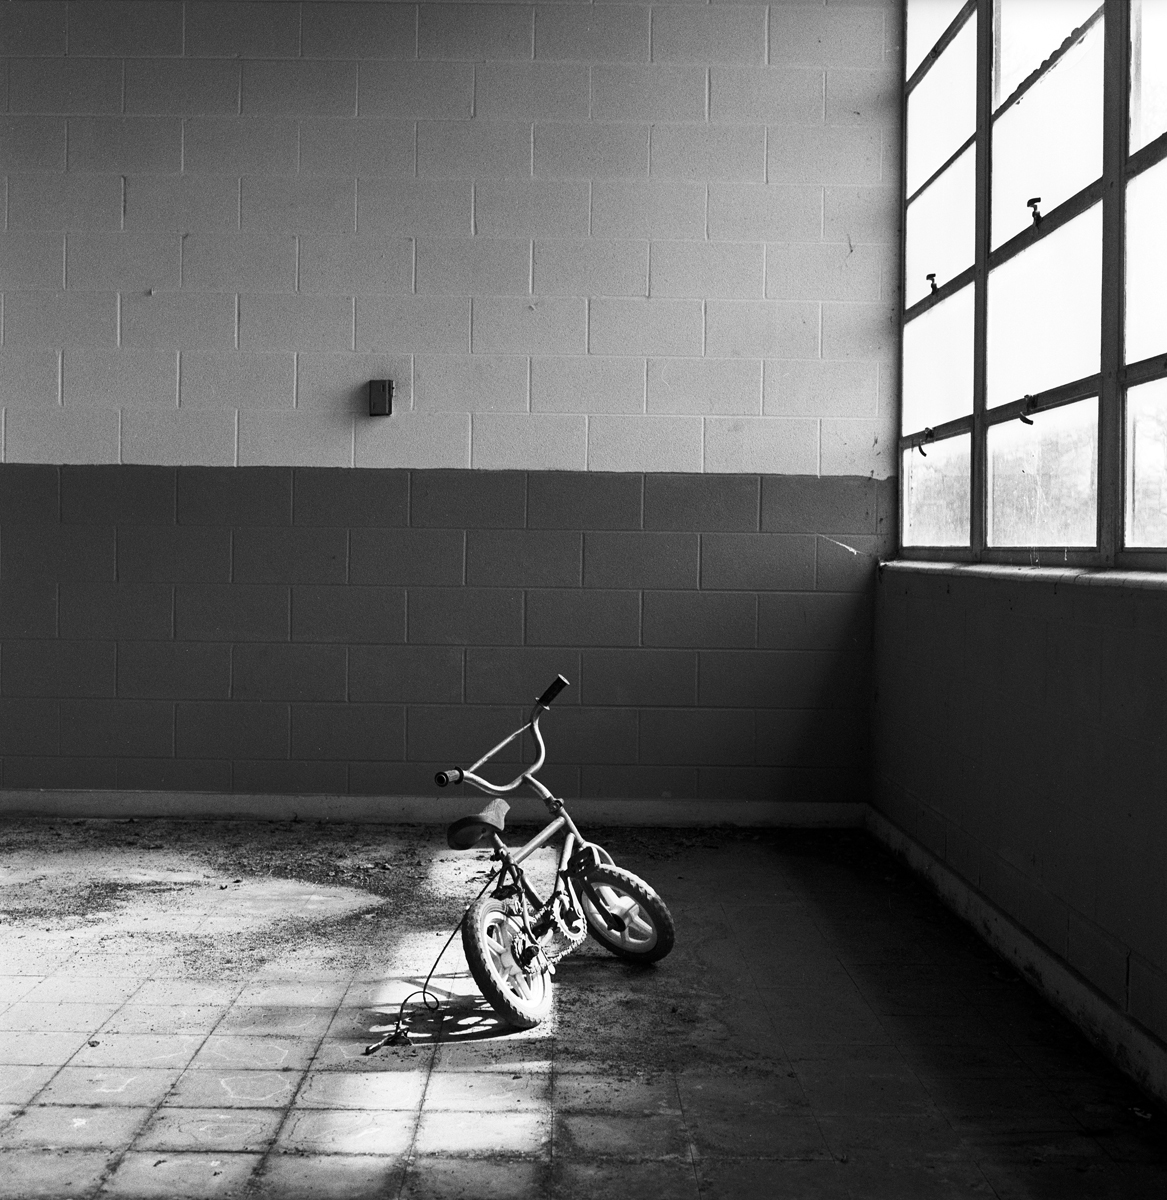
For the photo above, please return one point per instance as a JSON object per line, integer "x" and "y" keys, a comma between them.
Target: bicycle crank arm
{"x": 613, "y": 923}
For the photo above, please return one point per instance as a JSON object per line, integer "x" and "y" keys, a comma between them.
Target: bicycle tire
{"x": 649, "y": 933}
{"x": 521, "y": 998}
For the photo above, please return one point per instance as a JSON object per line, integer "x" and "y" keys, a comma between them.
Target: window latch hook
{"x": 1028, "y": 408}
{"x": 1033, "y": 203}
{"x": 926, "y": 436}
{"x": 931, "y": 278}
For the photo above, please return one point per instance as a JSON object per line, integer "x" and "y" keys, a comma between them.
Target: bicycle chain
{"x": 570, "y": 941}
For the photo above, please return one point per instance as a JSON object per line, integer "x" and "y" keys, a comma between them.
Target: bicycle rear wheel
{"x": 647, "y": 932}
{"x": 493, "y": 939}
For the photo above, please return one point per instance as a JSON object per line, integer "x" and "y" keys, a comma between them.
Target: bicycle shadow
{"x": 459, "y": 1016}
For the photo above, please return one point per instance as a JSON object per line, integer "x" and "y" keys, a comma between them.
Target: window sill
{"x": 1076, "y": 576}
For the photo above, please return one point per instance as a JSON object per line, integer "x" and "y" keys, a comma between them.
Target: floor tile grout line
{"x": 410, "y": 1155}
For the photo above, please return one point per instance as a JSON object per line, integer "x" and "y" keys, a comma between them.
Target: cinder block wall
{"x": 1019, "y": 735}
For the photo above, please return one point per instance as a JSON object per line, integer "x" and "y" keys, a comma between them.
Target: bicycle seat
{"x": 467, "y": 832}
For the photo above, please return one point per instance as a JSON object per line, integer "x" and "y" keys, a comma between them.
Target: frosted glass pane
{"x": 1043, "y": 478}
{"x": 938, "y": 363}
{"x": 941, "y": 224}
{"x": 1146, "y": 464}
{"x": 1049, "y": 143}
{"x": 927, "y": 20}
{"x": 1148, "y": 71}
{"x": 1146, "y": 264}
{"x": 1027, "y": 33}
{"x": 937, "y": 492}
{"x": 942, "y": 108}
{"x": 1045, "y": 312}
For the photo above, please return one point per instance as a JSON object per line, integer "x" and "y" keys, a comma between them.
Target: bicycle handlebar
{"x": 442, "y": 778}
{"x": 552, "y": 691}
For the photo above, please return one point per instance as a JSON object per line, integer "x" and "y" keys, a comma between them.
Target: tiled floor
{"x": 183, "y": 1011}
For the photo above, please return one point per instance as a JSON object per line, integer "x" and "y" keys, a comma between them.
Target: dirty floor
{"x": 184, "y": 1006}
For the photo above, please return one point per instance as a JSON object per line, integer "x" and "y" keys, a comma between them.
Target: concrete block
{"x": 304, "y": 87}
{"x": 826, "y": 271}
{"x": 532, "y": 208}
{"x": 651, "y": 209}
{"x": 371, "y": 148}
{"x": 295, "y": 555}
{"x": 700, "y": 619}
{"x": 766, "y": 95}
{"x": 414, "y": 207}
{"x": 592, "y": 34}
{"x": 348, "y": 614}
{"x": 99, "y": 261}
{"x": 750, "y": 212}
{"x": 182, "y": 203}
{"x": 705, "y": 386}
{"x": 295, "y": 439}
{"x": 639, "y": 677}
{"x": 33, "y": 27}
{"x": 125, "y": 29}
{"x": 480, "y": 149}
{"x": 60, "y": 552}
{"x": 288, "y": 672}
{"x": 358, "y": 31}
{"x": 52, "y": 201}
{"x": 706, "y": 270}
{"x": 757, "y": 562}
{"x": 591, "y": 267}
{"x": 570, "y": 617}
{"x": 863, "y": 98}
{"x": 351, "y": 498}
{"x": 703, "y": 737}
{"x": 596, "y": 150}
{"x": 138, "y": 496}
{"x": 29, "y": 378}
{"x": 531, "y": 92}
{"x": 625, "y": 443}
{"x": 29, "y": 495}
{"x": 409, "y": 557}
{"x": 187, "y": 437}
{"x": 584, "y": 500}
{"x": 761, "y": 329}
{"x": 762, "y": 444}
{"x": 240, "y": 145}
{"x": 648, "y": 92}
{"x": 182, "y": 87}
{"x": 356, "y": 263}
{"x": 64, "y": 669}
{"x": 370, "y": 732}
{"x": 228, "y": 30}
{"x": 523, "y": 558}
{"x": 799, "y": 154}
{"x": 53, "y": 435}
{"x": 529, "y": 325}
{"x": 853, "y": 446}
{"x": 838, "y": 36}
{"x": 125, "y": 144}
{"x": 473, "y": 31}
{"x": 640, "y": 559}
{"x": 709, "y": 34}
{"x": 713, "y": 152}
{"x": 295, "y": 322}
{"x": 500, "y": 676}
{"x": 260, "y": 496}
{"x": 470, "y": 383}
{"x": 32, "y": 143}
{"x": 299, "y": 203}
{"x": 60, "y": 319}
{"x": 469, "y": 500}
{"x": 235, "y": 379}
{"x": 465, "y": 616}
{"x": 863, "y": 214}
{"x": 64, "y": 85}
{"x": 119, "y": 378}
{"x": 528, "y": 442}
{"x": 473, "y": 266}
{"x": 819, "y": 388}
{"x": 860, "y": 331}
{"x": 231, "y": 729}
{"x": 32, "y": 260}
{"x": 587, "y": 384}
{"x": 255, "y": 261}
{"x": 644, "y": 327}
{"x": 338, "y": 383}
{"x": 425, "y": 324}
{"x": 421, "y": 441}
{"x": 435, "y": 90}
{"x": 813, "y": 621}
{"x": 171, "y": 320}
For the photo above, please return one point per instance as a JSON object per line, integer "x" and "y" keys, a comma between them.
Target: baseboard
{"x": 1133, "y": 1049}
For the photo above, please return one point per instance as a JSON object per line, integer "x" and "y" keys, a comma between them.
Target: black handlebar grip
{"x": 444, "y": 777}
{"x": 556, "y": 687}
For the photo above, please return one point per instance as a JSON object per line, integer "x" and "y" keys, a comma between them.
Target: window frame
{"x": 1114, "y": 376}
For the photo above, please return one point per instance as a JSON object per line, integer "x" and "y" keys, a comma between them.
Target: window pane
{"x": 1049, "y": 144}
{"x": 1043, "y": 478}
{"x": 938, "y": 363}
{"x": 1146, "y": 264}
{"x": 941, "y": 224}
{"x": 1045, "y": 312}
{"x": 937, "y": 493}
{"x": 1148, "y": 71}
{"x": 927, "y": 20}
{"x": 1027, "y": 33}
{"x": 942, "y": 108}
{"x": 1146, "y": 464}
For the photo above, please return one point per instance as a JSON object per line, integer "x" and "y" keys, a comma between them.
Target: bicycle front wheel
{"x": 645, "y": 930}
{"x": 494, "y": 942}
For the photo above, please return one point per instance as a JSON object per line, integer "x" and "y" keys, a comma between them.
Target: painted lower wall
{"x": 346, "y": 632}
{"x": 1019, "y": 737}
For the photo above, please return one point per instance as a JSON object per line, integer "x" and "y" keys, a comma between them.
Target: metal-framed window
{"x": 1034, "y": 322}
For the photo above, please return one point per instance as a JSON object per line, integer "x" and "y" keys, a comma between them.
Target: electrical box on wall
{"x": 380, "y": 397}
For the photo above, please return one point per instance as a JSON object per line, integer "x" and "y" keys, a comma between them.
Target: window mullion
{"x": 985, "y": 37}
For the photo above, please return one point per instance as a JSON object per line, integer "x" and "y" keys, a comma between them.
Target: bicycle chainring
{"x": 569, "y": 929}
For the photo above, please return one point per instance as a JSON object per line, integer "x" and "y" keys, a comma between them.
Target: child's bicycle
{"x": 512, "y": 937}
